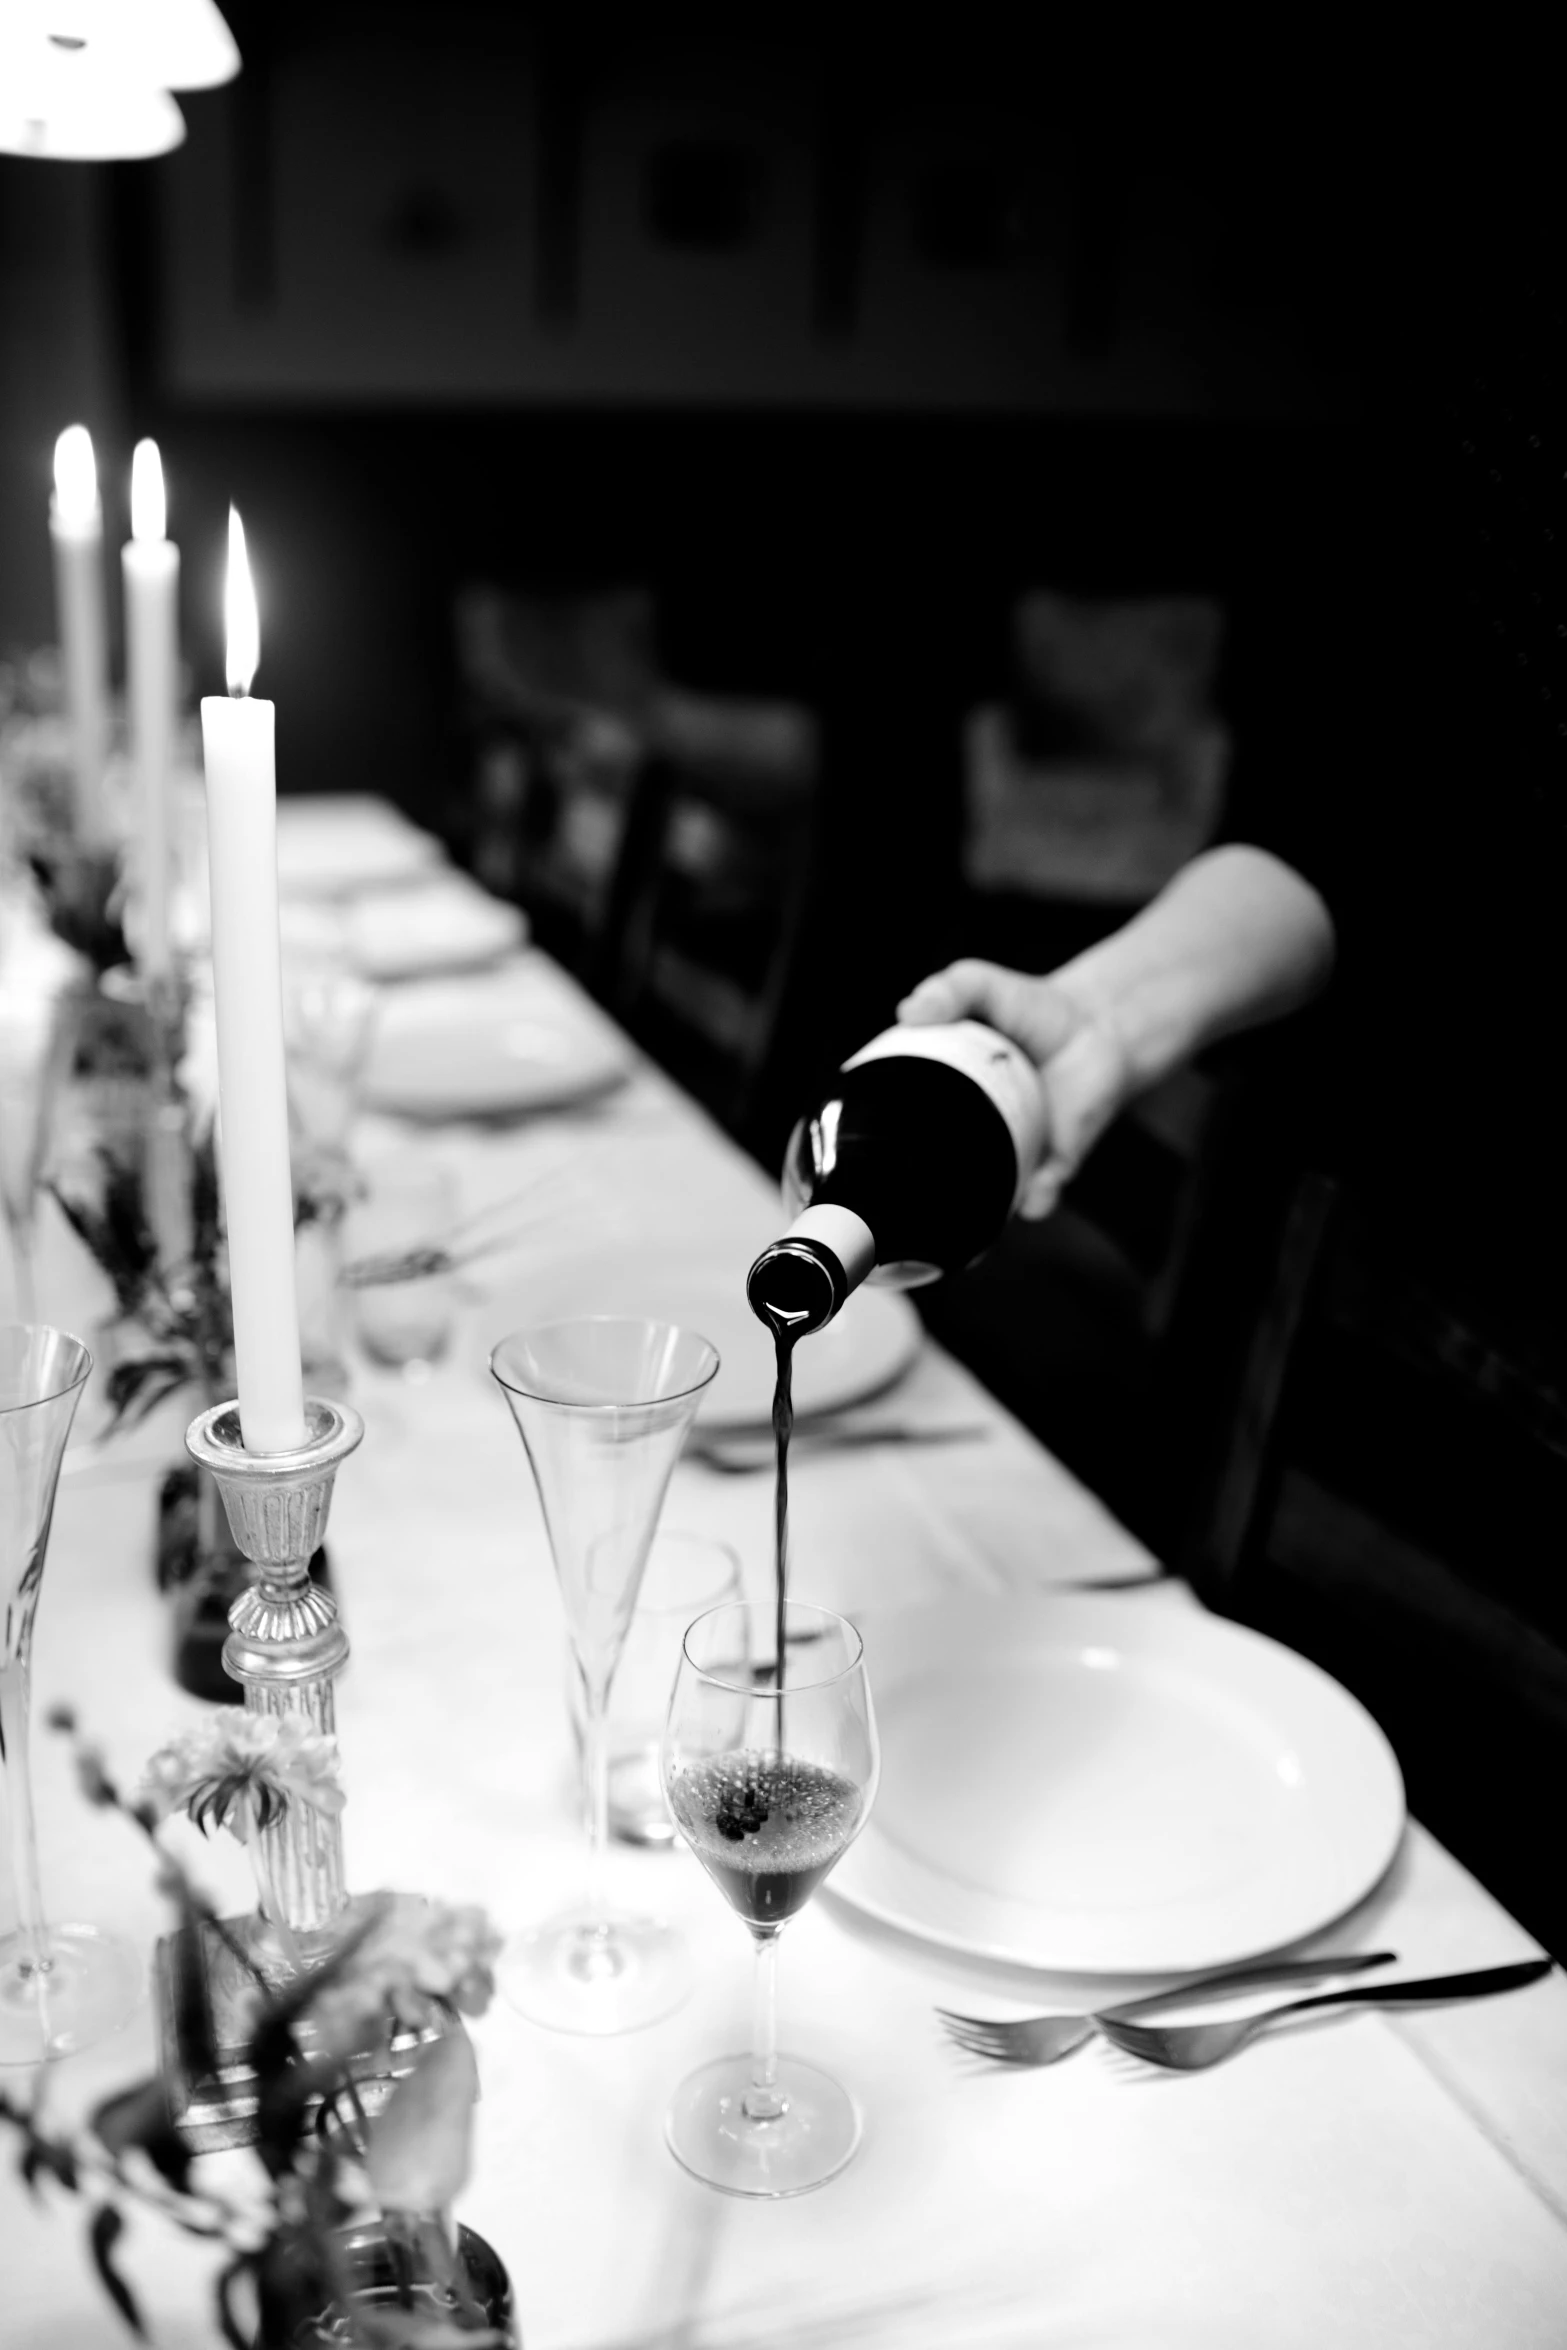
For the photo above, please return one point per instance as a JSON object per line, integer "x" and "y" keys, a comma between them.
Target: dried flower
{"x": 241, "y": 1771}
{"x": 411, "y": 1963}
{"x": 421, "y": 2142}
{"x": 418, "y": 1957}
{"x": 93, "y": 1778}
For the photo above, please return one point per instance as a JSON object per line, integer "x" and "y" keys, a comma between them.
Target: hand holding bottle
{"x": 1082, "y": 1063}
{"x": 993, "y": 1088}
{"x": 1236, "y": 939}
{"x": 907, "y": 1167}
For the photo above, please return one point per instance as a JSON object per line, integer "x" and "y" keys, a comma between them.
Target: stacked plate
{"x": 1113, "y": 1786}
{"x": 491, "y": 1046}
{"x": 441, "y": 922}
{"x": 332, "y": 844}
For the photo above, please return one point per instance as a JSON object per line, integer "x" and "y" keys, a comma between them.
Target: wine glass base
{"x": 92, "y": 1982}
{"x": 711, "y": 2135}
{"x": 597, "y": 1973}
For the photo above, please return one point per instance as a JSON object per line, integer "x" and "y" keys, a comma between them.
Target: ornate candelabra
{"x": 286, "y": 1648}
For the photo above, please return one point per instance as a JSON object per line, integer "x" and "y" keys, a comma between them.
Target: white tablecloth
{"x": 1385, "y": 2181}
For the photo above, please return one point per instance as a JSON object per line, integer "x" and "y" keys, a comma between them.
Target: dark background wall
{"x": 834, "y": 333}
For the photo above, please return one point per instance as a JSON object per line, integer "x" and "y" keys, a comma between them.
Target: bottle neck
{"x": 799, "y": 1283}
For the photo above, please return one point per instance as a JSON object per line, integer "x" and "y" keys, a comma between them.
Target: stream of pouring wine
{"x": 783, "y": 1429}
{"x": 784, "y": 1336}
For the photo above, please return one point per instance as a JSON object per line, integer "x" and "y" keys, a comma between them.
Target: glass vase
{"x": 404, "y": 2261}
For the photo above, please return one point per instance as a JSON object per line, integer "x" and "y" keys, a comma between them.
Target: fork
{"x": 1045, "y": 2039}
{"x": 1191, "y": 2048}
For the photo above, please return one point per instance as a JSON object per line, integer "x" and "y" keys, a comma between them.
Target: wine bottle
{"x": 907, "y": 1168}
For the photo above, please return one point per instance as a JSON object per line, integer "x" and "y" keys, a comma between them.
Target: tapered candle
{"x": 151, "y": 567}
{"x": 237, "y": 737}
{"x": 76, "y": 531}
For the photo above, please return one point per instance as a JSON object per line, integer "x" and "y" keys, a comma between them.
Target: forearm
{"x": 1236, "y": 939}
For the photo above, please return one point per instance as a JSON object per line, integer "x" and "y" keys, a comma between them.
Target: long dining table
{"x": 1398, "y": 2178}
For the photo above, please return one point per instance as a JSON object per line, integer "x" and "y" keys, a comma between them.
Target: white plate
{"x": 330, "y": 844}
{"x": 871, "y": 1343}
{"x": 1109, "y": 1786}
{"x": 455, "y": 1051}
{"x": 442, "y": 923}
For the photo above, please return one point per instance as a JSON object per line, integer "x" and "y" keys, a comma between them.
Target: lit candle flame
{"x": 75, "y": 478}
{"x": 239, "y": 612}
{"x": 148, "y": 513}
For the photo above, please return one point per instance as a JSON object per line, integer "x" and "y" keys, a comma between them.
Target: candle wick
{"x": 239, "y": 693}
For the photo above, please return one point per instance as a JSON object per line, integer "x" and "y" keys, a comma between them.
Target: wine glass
{"x": 602, "y": 1406}
{"x": 61, "y": 1986}
{"x": 409, "y": 1213}
{"x": 770, "y": 1765}
{"x": 686, "y": 1574}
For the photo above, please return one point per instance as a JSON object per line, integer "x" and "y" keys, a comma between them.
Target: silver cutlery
{"x": 1191, "y": 2048}
{"x": 744, "y": 1452}
{"x": 1045, "y": 2039}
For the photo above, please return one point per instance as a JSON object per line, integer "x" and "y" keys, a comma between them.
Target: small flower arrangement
{"x": 173, "y": 1311}
{"x": 241, "y": 1771}
{"x": 292, "y": 2247}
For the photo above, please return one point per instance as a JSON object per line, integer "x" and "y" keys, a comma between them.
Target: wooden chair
{"x": 699, "y": 939}
{"x": 1104, "y": 769}
{"x": 1390, "y": 1501}
{"x": 555, "y": 694}
{"x": 1113, "y": 1328}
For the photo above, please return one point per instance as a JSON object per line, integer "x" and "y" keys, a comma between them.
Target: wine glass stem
{"x": 763, "y": 2103}
{"x": 15, "y": 1674}
{"x": 596, "y": 1744}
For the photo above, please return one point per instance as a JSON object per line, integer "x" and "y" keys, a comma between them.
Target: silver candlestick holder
{"x": 285, "y": 1648}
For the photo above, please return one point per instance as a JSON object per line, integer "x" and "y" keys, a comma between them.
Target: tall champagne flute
{"x": 61, "y": 1986}
{"x": 768, "y": 1820}
{"x": 602, "y": 1406}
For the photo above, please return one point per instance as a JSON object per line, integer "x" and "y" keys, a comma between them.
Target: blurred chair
{"x": 660, "y": 839}
{"x": 556, "y": 692}
{"x": 1111, "y": 1329}
{"x": 1389, "y": 1501}
{"x": 1084, "y": 791}
{"x": 1099, "y": 776}
{"x": 715, "y": 873}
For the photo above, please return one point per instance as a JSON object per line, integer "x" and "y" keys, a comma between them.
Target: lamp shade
{"x": 162, "y": 44}
{"x": 88, "y": 81}
{"x": 54, "y": 108}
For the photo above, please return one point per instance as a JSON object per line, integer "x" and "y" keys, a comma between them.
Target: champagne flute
{"x": 602, "y": 1406}
{"x": 768, "y": 1820}
{"x": 61, "y": 1986}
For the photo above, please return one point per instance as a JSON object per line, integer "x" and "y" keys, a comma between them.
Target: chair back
{"x": 700, "y": 937}
{"x": 1390, "y": 1501}
{"x": 1104, "y": 770}
{"x": 555, "y": 691}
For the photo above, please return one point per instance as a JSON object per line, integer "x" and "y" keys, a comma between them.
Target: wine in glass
{"x": 602, "y": 1406}
{"x": 770, "y": 1762}
{"x": 61, "y": 1986}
